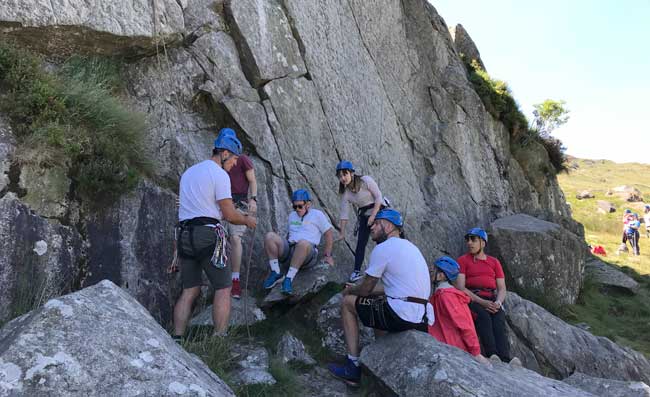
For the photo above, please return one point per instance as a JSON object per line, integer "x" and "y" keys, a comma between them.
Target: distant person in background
{"x": 632, "y": 233}
{"x": 481, "y": 277}
{"x": 363, "y": 192}
{"x": 453, "y": 321}
{"x": 646, "y": 219}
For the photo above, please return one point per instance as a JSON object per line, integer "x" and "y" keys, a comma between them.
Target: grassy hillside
{"x": 619, "y": 316}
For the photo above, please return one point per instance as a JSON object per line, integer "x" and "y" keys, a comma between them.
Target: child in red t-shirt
{"x": 453, "y": 321}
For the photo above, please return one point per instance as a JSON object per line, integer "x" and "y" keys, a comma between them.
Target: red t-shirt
{"x": 238, "y": 181}
{"x": 481, "y": 273}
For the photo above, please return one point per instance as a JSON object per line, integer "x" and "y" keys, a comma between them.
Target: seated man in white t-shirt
{"x": 306, "y": 226}
{"x": 205, "y": 200}
{"x": 403, "y": 304}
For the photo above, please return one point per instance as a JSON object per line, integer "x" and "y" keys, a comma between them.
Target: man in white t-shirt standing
{"x": 401, "y": 305}
{"x": 205, "y": 200}
{"x": 306, "y": 226}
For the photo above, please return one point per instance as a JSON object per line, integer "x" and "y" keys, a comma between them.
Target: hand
{"x": 251, "y": 222}
{"x": 329, "y": 260}
{"x": 491, "y": 307}
{"x": 252, "y": 206}
{"x": 371, "y": 220}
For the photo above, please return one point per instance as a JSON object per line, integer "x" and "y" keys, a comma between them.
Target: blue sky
{"x": 595, "y": 55}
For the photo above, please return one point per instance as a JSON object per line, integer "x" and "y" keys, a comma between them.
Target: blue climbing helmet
{"x": 344, "y": 165}
{"x": 449, "y": 267}
{"x": 227, "y": 131}
{"x": 300, "y": 195}
{"x": 478, "y": 232}
{"x": 228, "y": 141}
{"x": 628, "y": 211}
{"x": 391, "y": 215}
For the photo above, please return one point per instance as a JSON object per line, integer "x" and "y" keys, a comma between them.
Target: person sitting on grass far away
{"x": 400, "y": 305}
{"x": 363, "y": 192}
{"x": 306, "y": 226}
{"x": 632, "y": 233}
{"x": 481, "y": 277}
{"x": 454, "y": 324}
{"x": 646, "y": 219}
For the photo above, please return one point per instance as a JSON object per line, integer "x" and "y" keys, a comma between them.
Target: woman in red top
{"x": 481, "y": 277}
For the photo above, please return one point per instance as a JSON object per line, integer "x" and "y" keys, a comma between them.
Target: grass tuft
{"x": 73, "y": 118}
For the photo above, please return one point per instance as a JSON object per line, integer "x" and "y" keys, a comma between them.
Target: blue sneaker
{"x": 287, "y": 288}
{"x": 348, "y": 372}
{"x": 272, "y": 280}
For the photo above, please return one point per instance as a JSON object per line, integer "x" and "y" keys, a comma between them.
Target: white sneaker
{"x": 355, "y": 276}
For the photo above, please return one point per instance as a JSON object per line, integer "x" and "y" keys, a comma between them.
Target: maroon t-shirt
{"x": 480, "y": 273}
{"x": 238, "y": 181}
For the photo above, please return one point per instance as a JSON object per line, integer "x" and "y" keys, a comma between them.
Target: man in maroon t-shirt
{"x": 481, "y": 277}
{"x": 244, "y": 195}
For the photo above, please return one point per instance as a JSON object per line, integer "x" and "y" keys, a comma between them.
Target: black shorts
{"x": 375, "y": 312}
{"x": 191, "y": 269}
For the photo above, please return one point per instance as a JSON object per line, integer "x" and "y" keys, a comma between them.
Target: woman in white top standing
{"x": 363, "y": 192}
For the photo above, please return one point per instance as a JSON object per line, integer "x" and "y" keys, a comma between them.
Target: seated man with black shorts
{"x": 403, "y": 305}
{"x": 299, "y": 249}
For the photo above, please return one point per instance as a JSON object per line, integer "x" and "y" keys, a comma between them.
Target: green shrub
{"x": 72, "y": 118}
{"x": 555, "y": 151}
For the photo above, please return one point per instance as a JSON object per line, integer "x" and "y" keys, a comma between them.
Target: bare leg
{"x": 221, "y": 310}
{"x": 350, "y": 324}
{"x": 273, "y": 245}
{"x": 301, "y": 251}
{"x": 183, "y": 309}
{"x": 235, "y": 253}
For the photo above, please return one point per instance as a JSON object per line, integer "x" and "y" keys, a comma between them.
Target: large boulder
{"x": 242, "y": 312}
{"x": 307, "y": 282}
{"x": 560, "y": 348}
{"x": 331, "y": 327}
{"x": 94, "y": 26}
{"x": 539, "y": 256}
{"x": 585, "y": 194}
{"x": 465, "y": 45}
{"x": 607, "y": 387}
{"x": 419, "y": 365}
{"x": 609, "y": 276}
{"x": 605, "y": 207}
{"x": 39, "y": 258}
{"x": 98, "y": 342}
{"x": 252, "y": 365}
{"x": 291, "y": 348}
{"x": 628, "y": 193}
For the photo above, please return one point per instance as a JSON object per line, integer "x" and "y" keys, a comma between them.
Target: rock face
{"x": 330, "y": 325}
{"x": 305, "y": 84}
{"x": 291, "y": 348}
{"x": 465, "y": 45}
{"x": 57, "y": 350}
{"x": 7, "y": 147}
{"x": 607, "y": 275}
{"x": 560, "y": 348}
{"x": 419, "y": 365}
{"x": 608, "y": 387}
{"x": 91, "y": 26}
{"x": 539, "y": 256}
{"x": 238, "y": 316}
{"x": 38, "y": 258}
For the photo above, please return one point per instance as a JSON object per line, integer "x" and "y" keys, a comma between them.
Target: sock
{"x": 292, "y": 272}
{"x": 275, "y": 265}
{"x": 354, "y": 359}
{"x": 235, "y": 275}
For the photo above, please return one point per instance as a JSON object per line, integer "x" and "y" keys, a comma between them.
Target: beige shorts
{"x": 235, "y": 230}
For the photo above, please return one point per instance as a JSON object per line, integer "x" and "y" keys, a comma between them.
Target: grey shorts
{"x": 191, "y": 269}
{"x": 287, "y": 254}
{"x": 235, "y": 230}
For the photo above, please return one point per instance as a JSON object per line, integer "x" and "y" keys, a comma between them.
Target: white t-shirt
{"x": 404, "y": 272}
{"x": 202, "y": 186}
{"x": 311, "y": 227}
{"x": 646, "y": 219}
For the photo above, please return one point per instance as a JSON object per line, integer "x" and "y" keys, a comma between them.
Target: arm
{"x": 342, "y": 224}
{"x": 501, "y": 291}
{"x": 364, "y": 289}
{"x": 252, "y": 190}
{"x": 235, "y": 217}
{"x": 329, "y": 242}
{"x": 490, "y": 306}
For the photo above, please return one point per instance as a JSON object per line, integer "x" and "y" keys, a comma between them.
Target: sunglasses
{"x": 298, "y": 206}
{"x": 472, "y": 238}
